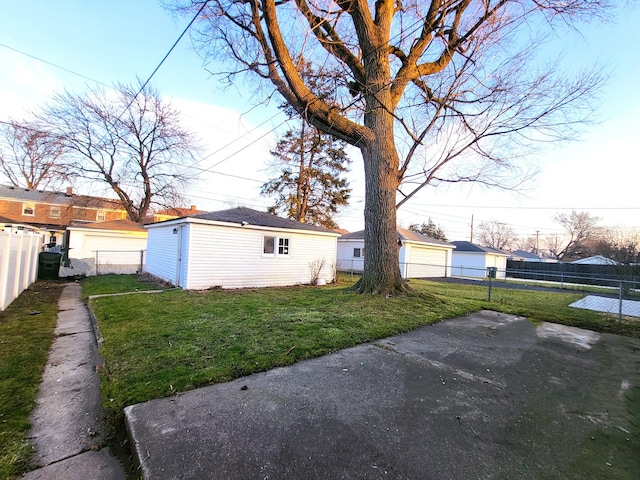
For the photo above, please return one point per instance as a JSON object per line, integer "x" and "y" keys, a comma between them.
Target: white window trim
{"x": 277, "y": 246}
{"x": 58, "y": 211}
{"x": 102, "y": 213}
{"x": 31, "y": 206}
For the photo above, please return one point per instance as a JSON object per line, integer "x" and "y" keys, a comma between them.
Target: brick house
{"x": 54, "y": 211}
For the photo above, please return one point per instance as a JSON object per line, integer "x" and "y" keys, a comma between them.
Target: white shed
{"x": 471, "y": 260}
{"x": 420, "y": 256}
{"x": 240, "y": 248}
{"x": 116, "y": 246}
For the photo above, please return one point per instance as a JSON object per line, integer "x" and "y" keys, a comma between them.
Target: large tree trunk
{"x": 381, "y": 265}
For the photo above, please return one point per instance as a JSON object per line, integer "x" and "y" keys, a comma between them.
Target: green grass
{"x": 156, "y": 345}
{"x": 25, "y": 338}
{"x": 109, "y": 284}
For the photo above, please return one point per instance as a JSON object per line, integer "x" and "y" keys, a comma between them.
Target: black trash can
{"x": 491, "y": 272}
{"x": 49, "y": 265}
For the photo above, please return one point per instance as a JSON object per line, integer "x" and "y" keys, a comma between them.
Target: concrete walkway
{"x": 485, "y": 396}
{"x": 68, "y": 430}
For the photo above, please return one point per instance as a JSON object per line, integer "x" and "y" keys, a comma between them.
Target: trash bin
{"x": 491, "y": 272}
{"x": 49, "y": 265}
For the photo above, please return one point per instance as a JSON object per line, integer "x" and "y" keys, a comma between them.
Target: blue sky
{"x": 119, "y": 41}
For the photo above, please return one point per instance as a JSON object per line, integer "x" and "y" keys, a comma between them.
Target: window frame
{"x": 280, "y": 246}
{"x": 53, "y": 209}
{"x": 28, "y": 206}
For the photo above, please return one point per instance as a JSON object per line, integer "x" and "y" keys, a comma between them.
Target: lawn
{"x": 26, "y": 333}
{"x": 157, "y": 345}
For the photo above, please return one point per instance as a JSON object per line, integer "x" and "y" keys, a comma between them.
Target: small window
{"x": 283, "y": 246}
{"x": 357, "y": 253}
{"x": 101, "y": 216}
{"x": 269, "y": 245}
{"x": 55, "y": 212}
{"x": 29, "y": 209}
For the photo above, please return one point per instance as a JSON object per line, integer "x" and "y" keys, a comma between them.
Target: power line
{"x": 55, "y": 65}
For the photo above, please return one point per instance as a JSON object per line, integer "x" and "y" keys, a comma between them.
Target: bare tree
{"x": 131, "y": 142}
{"x": 496, "y": 234}
{"x": 580, "y": 227}
{"x": 624, "y": 249}
{"x": 31, "y": 157}
{"x": 433, "y": 91}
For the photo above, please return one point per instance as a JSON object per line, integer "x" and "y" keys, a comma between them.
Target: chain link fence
{"x": 614, "y": 295}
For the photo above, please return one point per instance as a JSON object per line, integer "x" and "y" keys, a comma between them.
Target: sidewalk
{"x": 68, "y": 430}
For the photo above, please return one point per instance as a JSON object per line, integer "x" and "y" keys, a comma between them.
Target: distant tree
{"x": 624, "y": 249}
{"x": 527, "y": 244}
{"x": 430, "y": 229}
{"x": 309, "y": 187}
{"x": 496, "y": 235}
{"x": 133, "y": 143}
{"x": 31, "y": 157}
{"x": 579, "y": 227}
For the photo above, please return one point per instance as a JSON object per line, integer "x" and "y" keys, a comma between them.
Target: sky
{"x": 49, "y": 46}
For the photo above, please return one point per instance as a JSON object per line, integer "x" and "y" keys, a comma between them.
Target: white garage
{"x": 420, "y": 256}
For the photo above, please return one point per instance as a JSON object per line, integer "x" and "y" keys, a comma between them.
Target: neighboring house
{"x": 471, "y": 260}
{"x": 10, "y": 225}
{"x": 117, "y": 246}
{"x": 171, "y": 213}
{"x": 524, "y": 256}
{"x": 420, "y": 256}
{"x": 52, "y": 211}
{"x": 239, "y": 248}
{"x": 595, "y": 260}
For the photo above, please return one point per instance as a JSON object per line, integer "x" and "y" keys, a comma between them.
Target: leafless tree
{"x": 30, "y": 157}
{"x": 433, "y": 91}
{"x": 623, "y": 248}
{"x": 579, "y": 227}
{"x": 131, "y": 142}
{"x": 496, "y": 234}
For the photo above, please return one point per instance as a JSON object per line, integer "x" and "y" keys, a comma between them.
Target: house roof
{"x": 57, "y": 198}
{"x": 7, "y": 220}
{"x": 402, "y": 234}
{"x": 118, "y": 225}
{"x": 248, "y": 216}
{"x": 525, "y": 255}
{"x": 468, "y": 247}
{"x": 596, "y": 260}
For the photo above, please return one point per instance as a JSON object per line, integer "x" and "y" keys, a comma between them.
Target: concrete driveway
{"x": 478, "y": 397}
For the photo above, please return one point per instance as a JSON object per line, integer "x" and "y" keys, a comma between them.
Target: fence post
{"x": 141, "y": 260}
{"x": 489, "y": 299}
{"x": 620, "y": 302}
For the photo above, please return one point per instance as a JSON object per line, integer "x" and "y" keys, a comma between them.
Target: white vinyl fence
{"x": 18, "y": 263}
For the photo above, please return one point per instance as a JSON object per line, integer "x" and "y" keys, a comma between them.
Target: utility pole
{"x": 471, "y": 239}
{"x": 537, "y": 242}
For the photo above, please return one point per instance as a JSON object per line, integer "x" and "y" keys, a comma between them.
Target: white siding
{"x": 231, "y": 257}
{"x": 468, "y": 264}
{"x": 346, "y": 261}
{"x": 162, "y": 252}
{"x": 420, "y": 261}
{"x": 118, "y": 251}
{"x": 471, "y": 264}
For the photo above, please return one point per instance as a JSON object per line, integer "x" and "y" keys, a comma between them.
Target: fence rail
{"x": 18, "y": 263}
